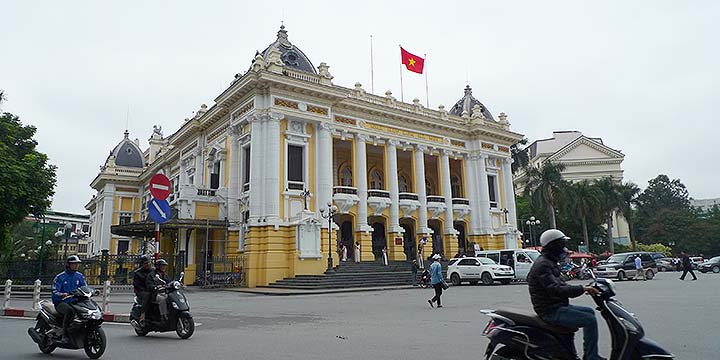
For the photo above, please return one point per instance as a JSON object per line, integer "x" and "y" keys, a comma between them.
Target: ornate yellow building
{"x": 251, "y": 173}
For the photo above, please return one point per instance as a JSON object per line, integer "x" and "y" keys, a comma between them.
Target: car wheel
{"x": 716, "y": 269}
{"x": 649, "y": 275}
{"x": 455, "y": 279}
{"x": 621, "y": 275}
{"x": 487, "y": 278}
{"x": 474, "y": 282}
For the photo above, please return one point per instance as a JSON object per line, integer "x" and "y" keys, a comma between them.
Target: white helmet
{"x": 436, "y": 257}
{"x": 551, "y": 235}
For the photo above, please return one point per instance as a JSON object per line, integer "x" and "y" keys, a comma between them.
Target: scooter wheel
{"x": 185, "y": 326}
{"x": 95, "y": 343}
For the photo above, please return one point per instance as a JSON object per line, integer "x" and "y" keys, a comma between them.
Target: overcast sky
{"x": 642, "y": 75}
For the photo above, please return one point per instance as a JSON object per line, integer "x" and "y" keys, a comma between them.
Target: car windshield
{"x": 617, "y": 259}
{"x": 715, "y": 259}
{"x": 486, "y": 261}
{"x": 533, "y": 254}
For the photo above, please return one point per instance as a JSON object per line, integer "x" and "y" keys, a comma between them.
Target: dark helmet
{"x": 144, "y": 259}
{"x": 161, "y": 262}
{"x": 73, "y": 259}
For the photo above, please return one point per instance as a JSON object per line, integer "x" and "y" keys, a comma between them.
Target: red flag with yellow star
{"x": 412, "y": 62}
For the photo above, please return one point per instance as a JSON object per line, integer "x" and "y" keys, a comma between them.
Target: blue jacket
{"x": 436, "y": 273}
{"x": 65, "y": 282}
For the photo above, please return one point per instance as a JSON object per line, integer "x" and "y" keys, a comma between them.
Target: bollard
{"x": 8, "y": 288}
{"x": 36, "y": 295}
{"x": 106, "y": 296}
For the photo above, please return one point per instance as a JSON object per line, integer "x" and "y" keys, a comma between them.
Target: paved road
{"x": 388, "y": 325}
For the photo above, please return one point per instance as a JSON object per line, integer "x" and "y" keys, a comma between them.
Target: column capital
{"x": 421, "y": 148}
{"x": 327, "y": 126}
{"x": 393, "y": 142}
{"x": 362, "y": 137}
{"x": 235, "y": 130}
{"x": 507, "y": 161}
{"x": 274, "y": 116}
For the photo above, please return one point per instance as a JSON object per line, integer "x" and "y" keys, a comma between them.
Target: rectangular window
{"x": 125, "y": 219}
{"x": 123, "y": 246}
{"x": 215, "y": 176}
{"x": 492, "y": 191}
{"x": 246, "y": 165}
{"x": 295, "y": 167}
{"x": 86, "y": 228}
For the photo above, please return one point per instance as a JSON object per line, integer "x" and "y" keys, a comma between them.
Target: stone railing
{"x": 435, "y": 199}
{"x": 206, "y": 192}
{"x": 407, "y": 196}
{"x": 460, "y": 201}
{"x": 345, "y": 190}
{"x": 379, "y": 193}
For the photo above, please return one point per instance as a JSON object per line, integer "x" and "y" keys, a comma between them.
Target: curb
{"x": 31, "y": 314}
{"x": 293, "y": 292}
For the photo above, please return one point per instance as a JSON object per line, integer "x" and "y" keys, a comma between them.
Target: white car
{"x": 474, "y": 269}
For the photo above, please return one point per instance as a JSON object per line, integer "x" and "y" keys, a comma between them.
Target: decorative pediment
{"x": 584, "y": 148}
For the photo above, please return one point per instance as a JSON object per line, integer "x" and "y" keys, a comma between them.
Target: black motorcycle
{"x": 84, "y": 330}
{"x": 425, "y": 279}
{"x": 178, "y": 314}
{"x": 523, "y": 335}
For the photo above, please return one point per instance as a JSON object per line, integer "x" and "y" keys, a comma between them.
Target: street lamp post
{"x": 68, "y": 227}
{"x": 328, "y": 214}
{"x": 43, "y": 250}
{"x": 531, "y": 224}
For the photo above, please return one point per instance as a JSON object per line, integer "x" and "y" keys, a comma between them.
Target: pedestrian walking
{"x": 357, "y": 251}
{"x": 687, "y": 267}
{"x": 414, "y": 267}
{"x": 476, "y": 248}
{"x": 421, "y": 262}
{"x": 639, "y": 271}
{"x": 436, "y": 280}
{"x": 344, "y": 252}
{"x": 384, "y": 256}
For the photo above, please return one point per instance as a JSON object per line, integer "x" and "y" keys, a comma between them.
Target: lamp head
{"x": 329, "y": 203}
{"x": 527, "y": 222}
{"x": 532, "y": 218}
{"x": 334, "y": 208}
{"x": 68, "y": 226}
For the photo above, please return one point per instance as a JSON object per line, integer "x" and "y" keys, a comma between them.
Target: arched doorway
{"x": 463, "y": 245}
{"x": 346, "y": 238}
{"x": 437, "y": 240}
{"x": 409, "y": 246}
{"x": 379, "y": 239}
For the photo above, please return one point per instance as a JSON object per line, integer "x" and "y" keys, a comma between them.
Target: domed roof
{"x": 467, "y": 103}
{"x": 290, "y": 54}
{"x": 127, "y": 153}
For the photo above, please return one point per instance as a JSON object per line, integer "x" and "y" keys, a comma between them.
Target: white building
{"x": 585, "y": 158}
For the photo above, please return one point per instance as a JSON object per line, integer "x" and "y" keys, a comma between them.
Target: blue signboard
{"x": 159, "y": 210}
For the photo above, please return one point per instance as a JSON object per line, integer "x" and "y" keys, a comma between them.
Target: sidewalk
{"x": 260, "y": 290}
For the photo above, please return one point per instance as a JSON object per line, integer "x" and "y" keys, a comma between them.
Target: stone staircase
{"x": 352, "y": 275}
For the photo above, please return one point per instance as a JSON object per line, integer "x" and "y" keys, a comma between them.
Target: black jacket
{"x": 547, "y": 291}
{"x": 687, "y": 264}
{"x": 140, "y": 280}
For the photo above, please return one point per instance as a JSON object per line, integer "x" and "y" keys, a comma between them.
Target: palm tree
{"x": 610, "y": 202}
{"x": 544, "y": 184}
{"x": 628, "y": 199}
{"x": 584, "y": 201}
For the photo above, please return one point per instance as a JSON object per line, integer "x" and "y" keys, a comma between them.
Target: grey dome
{"x": 290, "y": 54}
{"x": 128, "y": 154}
{"x": 467, "y": 103}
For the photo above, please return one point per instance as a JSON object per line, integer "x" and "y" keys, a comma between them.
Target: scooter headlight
{"x": 174, "y": 305}
{"x": 177, "y": 285}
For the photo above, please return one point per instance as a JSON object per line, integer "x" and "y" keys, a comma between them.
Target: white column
{"x": 361, "y": 181}
{"x": 447, "y": 192}
{"x": 257, "y": 167}
{"x": 272, "y": 166}
{"x": 509, "y": 193}
{"x": 234, "y": 179}
{"x": 481, "y": 171}
{"x": 392, "y": 172}
{"x": 199, "y": 179}
{"x": 323, "y": 167}
{"x": 420, "y": 188}
{"x": 107, "y": 206}
{"x": 470, "y": 174}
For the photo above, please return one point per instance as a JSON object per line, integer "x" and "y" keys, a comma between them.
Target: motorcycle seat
{"x": 523, "y": 317}
{"x": 50, "y": 308}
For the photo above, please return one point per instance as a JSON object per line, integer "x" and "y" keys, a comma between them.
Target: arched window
{"x": 456, "y": 187}
{"x": 429, "y": 188}
{"x": 376, "y": 180}
{"x": 403, "y": 184}
{"x": 346, "y": 176}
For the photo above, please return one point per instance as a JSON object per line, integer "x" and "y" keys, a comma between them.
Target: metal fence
{"x": 222, "y": 271}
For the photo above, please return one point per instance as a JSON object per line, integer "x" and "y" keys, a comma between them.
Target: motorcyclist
{"x": 160, "y": 298}
{"x": 64, "y": 283}
{"x": 140, "y": 286}
{"x": 549, "y": 294}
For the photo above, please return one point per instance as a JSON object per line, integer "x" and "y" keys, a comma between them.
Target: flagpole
{"x": 372, "y": 74}
{"x": 427, "y": 93}
{"x": 401, "y": 83}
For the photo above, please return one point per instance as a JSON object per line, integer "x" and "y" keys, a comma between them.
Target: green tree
{"x": 663, "y": 203}
{"x": 610, "y": 202}
{"x": 583, "y": 201}
{"x": 27, "y": 181}
{"x": 628, "y": 193}
{"x": 545, "y": 184}
{"x": 519, "y": 155}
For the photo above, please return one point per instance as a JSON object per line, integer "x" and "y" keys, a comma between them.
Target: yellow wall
{"x": 207, "y": 211}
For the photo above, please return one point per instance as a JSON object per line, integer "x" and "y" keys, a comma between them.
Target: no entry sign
{"x": 160, "y": 186}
